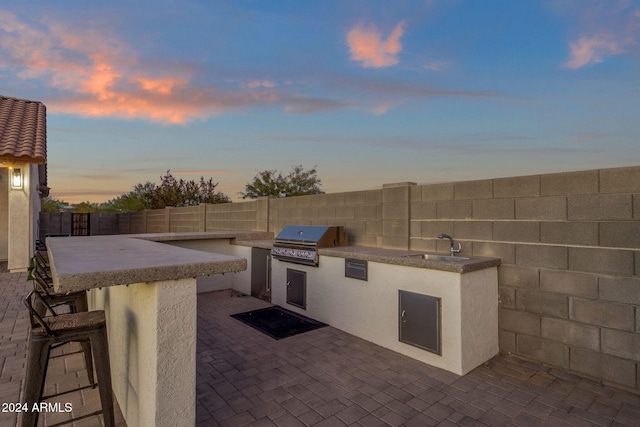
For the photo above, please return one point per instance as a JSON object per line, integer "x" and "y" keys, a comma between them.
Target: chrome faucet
{"x": 452, "y": 249}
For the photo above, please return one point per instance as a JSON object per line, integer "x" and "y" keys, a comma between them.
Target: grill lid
{"x": 299, "y": 243}
{"x": 302, "y": 233}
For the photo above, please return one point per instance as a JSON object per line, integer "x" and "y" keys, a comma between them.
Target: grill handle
{"x": 268, "y": 274}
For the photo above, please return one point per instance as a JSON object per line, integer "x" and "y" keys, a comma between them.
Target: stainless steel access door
{"x": 297, "y": 288}
{"x": 419, "y": 321}
{"x": 261, "y": 273}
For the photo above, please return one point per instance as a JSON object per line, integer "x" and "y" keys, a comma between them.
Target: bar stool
{"x": 49, "y": 332}
{"x": 41, "y": 246}
{"x": 40, "y": 263}
{"x": 77, "y": 301}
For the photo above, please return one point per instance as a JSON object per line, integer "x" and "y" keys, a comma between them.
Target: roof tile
{"x": 23, "y": 130}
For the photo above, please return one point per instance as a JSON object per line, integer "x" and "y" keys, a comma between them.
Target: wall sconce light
{"x": 16, "y": 178}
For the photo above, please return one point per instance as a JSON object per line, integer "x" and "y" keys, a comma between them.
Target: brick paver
{"x": 329, "y": 378}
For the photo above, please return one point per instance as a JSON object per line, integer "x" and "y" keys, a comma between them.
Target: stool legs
{"x": 86, "y": 350}
{"x": 37, "y": 361}
{"x": 101, "y": 354}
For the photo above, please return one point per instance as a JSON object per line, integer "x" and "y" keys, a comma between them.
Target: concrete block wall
{"x": 234, "y": 216}
{"x": 360, "y": 212}
{"x": 155, "y": 221}
{"x": 569, "y": 283}
{"x": 55, "y": 223}
{"x": 190, "y": 218}
{"x": 107, "y": 223}
{"x": 137, "y": 222}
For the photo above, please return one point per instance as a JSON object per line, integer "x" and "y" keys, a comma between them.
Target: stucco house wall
{"x": 4, "y": 214}
{"x": 19, "y": 218}
{"x": 23, "y": 146}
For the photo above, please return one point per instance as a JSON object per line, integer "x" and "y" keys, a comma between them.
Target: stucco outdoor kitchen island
{"x": 148, "y": 291}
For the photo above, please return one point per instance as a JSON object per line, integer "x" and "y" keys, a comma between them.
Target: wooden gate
{"x": 80, "y": 224}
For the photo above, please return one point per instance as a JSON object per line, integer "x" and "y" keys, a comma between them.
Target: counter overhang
{"x": 87, "y": 262}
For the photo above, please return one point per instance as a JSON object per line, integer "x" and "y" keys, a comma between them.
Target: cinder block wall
{"x": 155, "y": 221}
{"x": 137, "y": 222}
{"x": 569, "y": 283}
{"x": 360, "y": 212}
{"x": 186, "y": 219}
{"x": 55, "y": 223}
{"x": 235, "y": 216}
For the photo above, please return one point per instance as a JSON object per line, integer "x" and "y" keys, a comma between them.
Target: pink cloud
{"x": 96, "y": 75}
{"x": 368, "y": 47}
{"x": 589, "y": 50}
{"x": 162, "y": 86}
{"x": 603, "y": 30}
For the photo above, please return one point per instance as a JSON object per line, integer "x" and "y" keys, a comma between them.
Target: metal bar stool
{"x": 57, "y": 329}
{"x": 77, "y": 301}
{"x": 40, "y": 263}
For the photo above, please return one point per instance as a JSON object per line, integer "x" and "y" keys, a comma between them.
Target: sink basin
{"x": 436, "y": 257}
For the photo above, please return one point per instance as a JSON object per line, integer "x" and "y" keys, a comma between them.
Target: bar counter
{"x": 148, "y": 292}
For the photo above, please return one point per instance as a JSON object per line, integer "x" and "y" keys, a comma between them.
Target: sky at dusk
{"x": 370, "y": 92}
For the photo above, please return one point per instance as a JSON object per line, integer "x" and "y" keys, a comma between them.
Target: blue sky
{"x": 370, "y": 92}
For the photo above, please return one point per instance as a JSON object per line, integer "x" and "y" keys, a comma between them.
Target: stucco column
{"x": 152, "y": 345}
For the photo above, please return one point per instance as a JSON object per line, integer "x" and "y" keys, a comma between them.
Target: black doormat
{"x": 278, "y": 322}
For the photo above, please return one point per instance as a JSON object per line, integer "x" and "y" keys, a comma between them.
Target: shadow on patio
{"x": 329, "y": 378}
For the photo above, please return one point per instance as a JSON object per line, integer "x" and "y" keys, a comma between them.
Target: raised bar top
{"x": 87, "y": 262}
{"x": 204, "y": 235}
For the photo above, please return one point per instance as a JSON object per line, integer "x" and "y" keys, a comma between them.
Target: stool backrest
{"x": 38, "y": 308}
{"x": 42, "y": 264}
{"x": 40, "y": 283}
{"x": 40, "y": 245}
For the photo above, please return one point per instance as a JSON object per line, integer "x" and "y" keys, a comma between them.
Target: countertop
{"x": 80, "y": 263}
{"x": 403, "y": 257}
{"x": 394, "y": 256}
{"x": 87, "y": 262}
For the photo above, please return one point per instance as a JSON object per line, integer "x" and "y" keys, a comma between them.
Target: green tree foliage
{"x": 47, "y": 204}
{"x": 179, "y": 193}
{"x": 86, "y": 207}
{"x": 170, "y": 192}
{"x": 272, "y": 183}
{"x": 136, "y": 200}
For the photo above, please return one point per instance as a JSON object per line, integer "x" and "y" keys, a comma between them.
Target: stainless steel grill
{"x": 299, "y": 244}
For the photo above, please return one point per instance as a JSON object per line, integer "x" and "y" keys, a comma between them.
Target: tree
{"x": 170, "y": 192}
{"x": 271, "y": 183}
{"x": 134, "y": 201}
{"x": 179, "y": 193}
{"x": 47, "y": 204}
{"x": 86, "y": 207}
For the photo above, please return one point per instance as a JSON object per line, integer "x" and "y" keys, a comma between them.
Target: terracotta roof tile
{"x": 23, "y": 130}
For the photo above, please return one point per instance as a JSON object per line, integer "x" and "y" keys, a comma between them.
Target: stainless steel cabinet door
{"x": 419, "y": 321}
{"x": 297, "y": 288}
{"x": 261, "y": 273}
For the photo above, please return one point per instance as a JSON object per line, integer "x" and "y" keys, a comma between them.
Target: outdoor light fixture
{"x": 16, "y": 178}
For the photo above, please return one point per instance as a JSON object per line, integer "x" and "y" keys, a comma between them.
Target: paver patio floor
{"x": 327, "y": 377}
